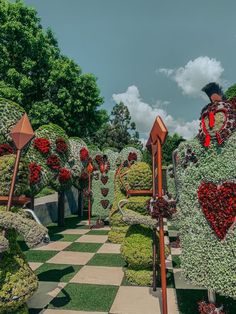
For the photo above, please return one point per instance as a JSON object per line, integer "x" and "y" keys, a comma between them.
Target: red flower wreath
{"x": 84, "y": 154}
{"x": 42, "y": 145}
{"x": 61, "y": 145}
{"x": 64, "y": 175}
{"x": 35, "y": 173}
{"x": 53, "y": 162}
{"x": 5, "y": 149}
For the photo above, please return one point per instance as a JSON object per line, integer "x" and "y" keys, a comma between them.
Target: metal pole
{"x": 89, "y": 198}
{"x": 13, "y": 182}
{"x": 161, "y": 231}
{"x": 154, "y": 240}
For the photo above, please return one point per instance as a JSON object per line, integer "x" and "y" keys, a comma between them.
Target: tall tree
{"x": 34, "y": 73}
{"x": 119, "y": 131}
{"x": 231, "y": 92}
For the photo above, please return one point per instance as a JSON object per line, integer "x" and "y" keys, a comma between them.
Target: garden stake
{"x": 154, "y": 243}
{"x": 21, "y": 134}
{"x": 90, "y": 170}
{"x": 157, "y": 138}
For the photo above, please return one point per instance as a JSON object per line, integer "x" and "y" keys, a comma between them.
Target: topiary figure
{"x": 17, "y": 280}
{"x": 206, "y": 189}
{"x": 139, "y": 177}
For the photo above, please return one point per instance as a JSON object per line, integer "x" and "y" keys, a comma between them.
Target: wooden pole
{"x": 161, "y": 230}
{"x": 13, "y": 182}
{"x": 89, "y": 199}
{"x": 154, "y": 236}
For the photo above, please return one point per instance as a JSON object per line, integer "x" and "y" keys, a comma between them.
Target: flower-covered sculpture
{"x": 206, "y": 194}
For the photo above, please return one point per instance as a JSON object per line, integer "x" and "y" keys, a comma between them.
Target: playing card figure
{"x": 205, "y": 180}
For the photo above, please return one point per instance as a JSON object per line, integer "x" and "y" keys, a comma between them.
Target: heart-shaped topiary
{"x": 104, "y": 203}
{"x": 218, "y": 204}
{"x": 104, "y": 179}
{"x": 104, "y": 191}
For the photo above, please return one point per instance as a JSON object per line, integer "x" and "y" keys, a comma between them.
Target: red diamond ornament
{"x": 22, "y": 132}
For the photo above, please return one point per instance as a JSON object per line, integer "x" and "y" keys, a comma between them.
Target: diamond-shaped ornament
{"x": 22, "y": 132}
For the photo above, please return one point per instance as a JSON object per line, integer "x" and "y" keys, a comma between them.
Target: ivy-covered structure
{"x": 205, "y": 180}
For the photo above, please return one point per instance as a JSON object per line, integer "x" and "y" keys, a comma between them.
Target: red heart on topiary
{"x": 218, "y": 204}
{"x": 104, "y": 179}
{"x": 104, "y": 191}
{"x": 104, "y": 203}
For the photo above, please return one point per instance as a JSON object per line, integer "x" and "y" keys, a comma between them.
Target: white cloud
{"x": 144, "y": 115}
{"x": 196, "y": 74}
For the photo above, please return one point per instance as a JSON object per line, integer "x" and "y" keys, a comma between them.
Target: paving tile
{"x": 69, "y": 312}
{"x": 110, "y": 248}
{"x": 34, "y": 265}
{"x": 71, "y": 258}
{"x": 169, "y": 264}
{"x": 182, "y": 283}
{"x": 92, "y": 239}
{"x": 54, "y": 246}
{"x": 64, "y": 237}
{"x": 166, "y": 239}
{"x": 99, "y": 275}
{"x": 140, "y": 300}
{"x": 75, "y": 231}
{"x": 45, "y": 293}
{"x": 175, "y": 251}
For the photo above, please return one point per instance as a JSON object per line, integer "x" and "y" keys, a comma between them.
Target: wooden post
{"x": 157, "y": 138}
{"x": 161, "y": 231}
{"x": 61, "y": 209}
{"x": 89, "y": 199}
{"x": 154, "y": 235}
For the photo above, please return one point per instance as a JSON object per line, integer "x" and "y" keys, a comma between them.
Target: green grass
{"x": 176, "y": 261}
{"x": 98, "y": 232}
{"x": 170, "y": 281}
{"x": 39, "y": 256}
{"x": 57, "y": 273}
{"x": 44, "y": 192}
{"x": 188, "y": 301}
{"x": 113, "y": 260}
{"x": 23, "y": 245}
{"x": 64, "y": 237}
{"x": 83, "y": 247}
{"x": 85, "y": 297}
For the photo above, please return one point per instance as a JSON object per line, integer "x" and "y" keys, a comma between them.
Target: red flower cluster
{"x": 61, "y": 145}
{"x": 64, "y": 175}
{"x": 42, "y": 144}
{"x": 53, "y": 162}
{"x": 5, "y": 149}
{"x": 132, "y": 156}
{"x": 209, "y": 308}
{"x": 218, "y": 204}
{"x": 162, "y": 208}
{"x": 35, "y": 173}
{"x": 84, "y": 154}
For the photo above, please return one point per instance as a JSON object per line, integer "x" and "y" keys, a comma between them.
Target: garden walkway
{"x": 80, "y": 272}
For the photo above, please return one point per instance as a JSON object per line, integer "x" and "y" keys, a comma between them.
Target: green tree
{"x": 172, "y": 142}
{"x": 33, "y": 71}
{"x": 119, "y": 131}
{"x": 231, "y": 92}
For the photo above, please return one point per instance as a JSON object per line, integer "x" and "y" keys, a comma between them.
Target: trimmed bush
{"x": 137, "y": 247}
{"x": 139, "y": 177}
{"x": 138, "y": 204}
{"x": 142, "y": 277}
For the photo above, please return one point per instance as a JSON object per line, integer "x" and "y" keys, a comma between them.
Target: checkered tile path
{"x": 80, "y": 272}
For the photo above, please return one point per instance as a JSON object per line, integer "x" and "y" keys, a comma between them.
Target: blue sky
{"x": 153, "y": 55}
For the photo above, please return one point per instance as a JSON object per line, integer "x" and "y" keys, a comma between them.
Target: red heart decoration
{"x": 104, "y": 191}
{"x": 218, "y": 204}
{"x": 104, "y": 203}
{"x": 104, "y": 179}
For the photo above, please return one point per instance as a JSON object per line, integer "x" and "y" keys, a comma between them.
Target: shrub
{"x": 140, "y": 177}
